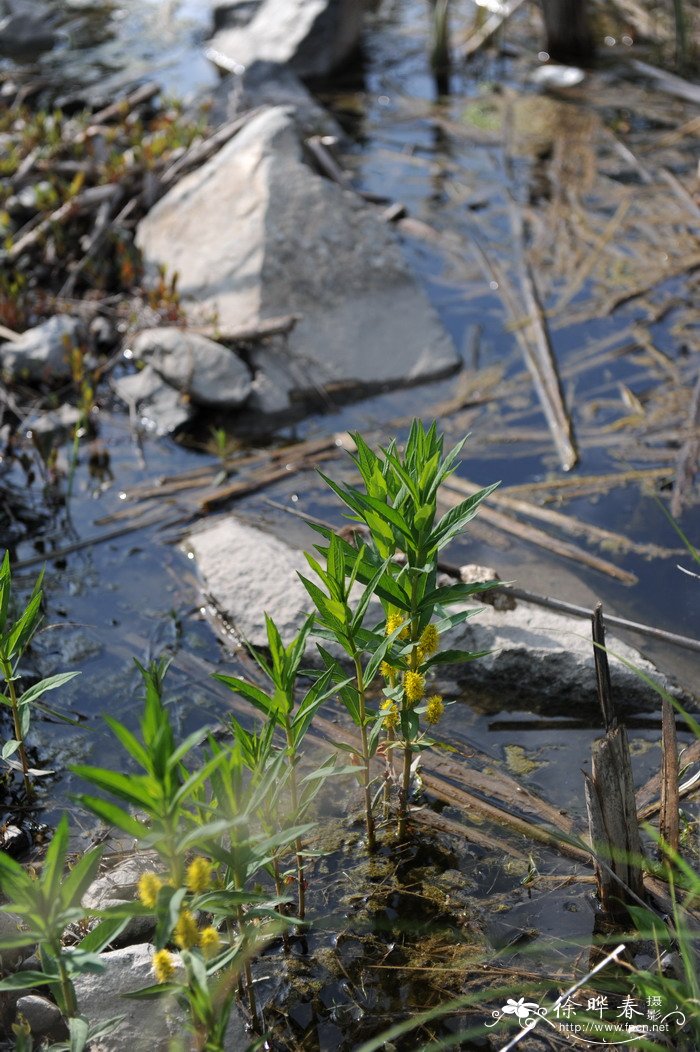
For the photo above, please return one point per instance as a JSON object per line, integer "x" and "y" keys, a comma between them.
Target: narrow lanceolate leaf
{"x": 456, "y": 593}
{"x": 455, "y": 519}
{"x": 103, "y": 934}
{"x": 25, "y": 981}
{"x": 253, "y": 694}
{"x": 454, "y": 657}
{"x": 51, "y": 683}
{"x": 134, "y": 789}
{"x": 55, "y": 860}
{"x": 113, "y": 815}
{"x": 80, "y": 877}
{"x": 9, "y": 748}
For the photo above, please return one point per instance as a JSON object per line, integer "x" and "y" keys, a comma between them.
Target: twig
{"x": 532, "y": 1023}
{"x": 668, "y": 815}
{"x": 493, "y": 23}
{"x": 602, "y": 669}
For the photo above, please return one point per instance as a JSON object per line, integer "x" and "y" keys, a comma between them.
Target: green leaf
{"x": 25, "y": 626}
{"x": 55, "y": 860}
{"x": 80, "y": 877}
{"x": 455, "y": 519}
{"x": 9, "y": 748}
{"x": 130, "y": 742}
{"x": 253, "y": 694}
{"x": 113, "y": 815}
{"x": 455, "y": 593}
{"x": 44, "y": 685}
{"x": 25, "y": 981}
{"x": 103, "y": 934}
{"x": 78, "y": 1030}
{"x": 454, "y": 657}
{"x": 152, "y": 992}
{"x": 134, "y": 789}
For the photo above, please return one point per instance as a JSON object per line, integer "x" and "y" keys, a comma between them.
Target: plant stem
{"x": 366, "y": 779}
{"x": 70, "y": 1004}
{"x": 7, "y": 673}
{"x": 298, "y": 846}
{"x": 405, "y": 788}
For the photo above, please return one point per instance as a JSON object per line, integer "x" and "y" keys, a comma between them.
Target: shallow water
{"x": 138, "y": 595}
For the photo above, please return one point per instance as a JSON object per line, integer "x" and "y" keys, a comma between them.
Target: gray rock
{"x": 53, "y": 425}
{"x": 276, "y": 378}
{"x": 249, "y": 573}
{"x": 314, "y": 37}
{"x": 270, "y": 84}
{"x": 160, "y": 407}
{"x": 42, "y": 354}
{"x": 208, "y": 373}
{"x": 11, "y": 925}
{"x": 542, "y": 660}
{"x": 292, "y": 241}
{"x": 24, "y": 32}
{"x": 146, "y": 1024}
{"x": 119, "y": 885}
{"x": 43, "y": 1016}
{"x": 539, "y": 659}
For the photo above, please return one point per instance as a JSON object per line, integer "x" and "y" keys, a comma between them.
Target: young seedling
{"x": 15, "y": 637}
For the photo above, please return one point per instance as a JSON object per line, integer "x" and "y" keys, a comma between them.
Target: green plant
{"x": 399, "y": 565}
{"x": 281, "y": 709}
{"x": 48, "y": 904}
{"x": 15, "y": 637}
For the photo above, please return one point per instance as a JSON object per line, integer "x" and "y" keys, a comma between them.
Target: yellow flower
{"x": 209, "y": 942}
{"x": 186, "y": 931}
{"x": 386, "y": 704}
{"x": 414, "y": 686}
{"x": 392, "y": 623}
{"x": 434, "y": 709}
{"x": 163, "y": 966}
{"x": 149, "y": 886}
{"x": 199, "y": 875}
{"x": 386, "y": 669}
{"x": 429, "y": 641}
{"x": 392, "y": 718}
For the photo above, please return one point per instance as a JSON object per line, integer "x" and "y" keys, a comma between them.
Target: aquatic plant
{"x": 15, "y": 637}
{"x": 48, "y": 902}
{"x": 398, "y": 564}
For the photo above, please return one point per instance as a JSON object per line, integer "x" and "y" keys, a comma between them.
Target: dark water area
{"x": 138, "y": 595}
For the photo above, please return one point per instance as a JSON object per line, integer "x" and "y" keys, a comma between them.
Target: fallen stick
{"x": 555, "y": 518}
{"x": 669, "y": 82}
{"x": 592, "y": 483}
{"x": 687, "y": 462}
{"x": 241, "y": 488}
{"x": 544, "y": 540}
{"x": 121, "y": 108}
{"x": 475, "y": 41}
{"x": 82, "y": 202}
{"x": 267, "y": 327}
{"x": 669, "y": 829}
{"x": 202, "y": 151}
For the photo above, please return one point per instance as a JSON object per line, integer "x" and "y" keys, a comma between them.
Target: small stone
{"x": 42, "y": 354}
{"x": 43, "y": 1016}
{"x": 313, "y": 37}
{"x": 207, "y": 372}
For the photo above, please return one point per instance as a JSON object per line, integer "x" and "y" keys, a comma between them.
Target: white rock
{"x": 147, "y": 1024}
{"x": 208, "y": 373}
{"x": 314, "y": 37}
{"x": 542, "y": 658}
{"x": 42, "y": 354}
{"x": 250, "y": 573}
{"x": 256, "y": 234}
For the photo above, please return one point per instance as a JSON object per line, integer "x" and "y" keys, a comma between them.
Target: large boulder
{"x": 314, "y": 37}
{"x": 256, "y": 234}
{"x": 42, "y": 354}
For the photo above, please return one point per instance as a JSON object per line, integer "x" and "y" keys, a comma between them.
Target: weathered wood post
{"x": 610, "y": 801}
{"x": 568, "y": 31}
